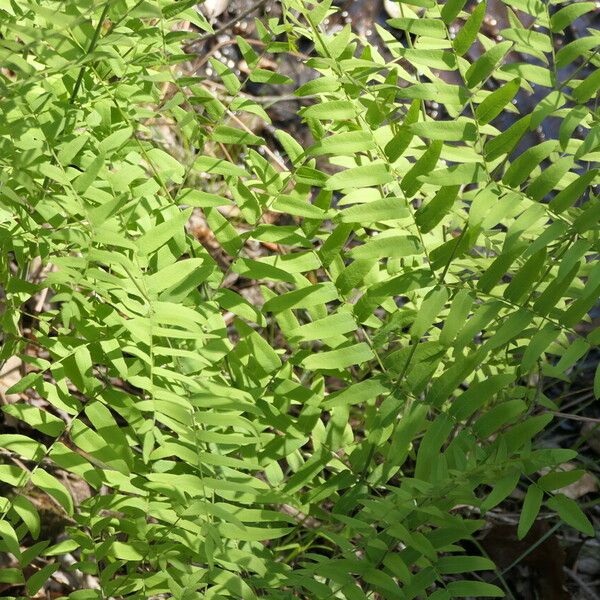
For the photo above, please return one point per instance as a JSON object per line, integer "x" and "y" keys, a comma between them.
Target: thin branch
{"x": 573, "y": 417}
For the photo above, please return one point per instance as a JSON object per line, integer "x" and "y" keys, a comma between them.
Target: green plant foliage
{"x": 347, "y": 436}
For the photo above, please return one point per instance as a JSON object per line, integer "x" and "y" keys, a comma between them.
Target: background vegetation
{"x": 298, "y": 306}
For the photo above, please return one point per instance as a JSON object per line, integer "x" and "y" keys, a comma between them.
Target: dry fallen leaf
{"x": 10, "y": 373}
{"x": 586, "y": 485}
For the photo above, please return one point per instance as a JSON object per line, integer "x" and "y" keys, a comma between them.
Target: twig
{"x": 302, "y": 518}
{"x": 39, "y": 305}
{"x": 573, "y": 417}
{"x": 272, "y": 154}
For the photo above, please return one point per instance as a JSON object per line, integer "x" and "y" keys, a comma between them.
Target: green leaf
{"x": 163, "y": 233}
{"x": 478, "y": 395}
{"x": 478, "y": 589}
{"x": 333, "y": 110}
{"x": 526, "y": 277}
{"x": 566, "y": 15}
{"x": 242, "y": 314}
{"x": 410, "y": 183}
{"x": 437, "y": 92}
{"x": 292, "y": 148}
{"x": 224, "y": 231}
{"x": 11, "y": 575}
{"x": 248, "y": 53}
{"x": 387, "y": 246}
{"x": 559, "y": 479}
{"x": 29, "y": 515}
{"x": 483, "y": 67}
{"x": 464, "y": 564}
{"x": 127, "y": 552}
{"x": 569, "y": 53}
{"x": 201, "y": 199}
{"x": 591, "y": 142}
{"x": 345, "y": 143}
{"x": 451, "y": 131}
{"x": 69, "y": 150}
{"x": 451, "y": 9}
{"x": 36, "y": 417}
{"x": 384, "y": 209}
{"x": 298, "y": 207}
{"x": 182, "y": 274}
{"x": 176, "y": 8}
{"x": 511, "y": 327}
{"x": 538, "y": 343}
{"x": 433, "y": 59}
{"x": 494, "y": 104}
{"x": 218, "y": 166}
{"x": 376, "y": 173}
{"x": 78, "y": 368}
{"x": 549, "y": 178}
{"x": 430, "y": 446}
{"x": 498, "y": 416}
{"x": 507, "y": 141}
{"x": 422, "y": 26}
{"x": 62, "y": 547}
{"x": 522, "y": 166}
{"x": 227, "y": 76}
{"x": 502, "y": 488}
{"x": 429, "y": 215}
{"x": 452, "y": 176}
{"x": 459, "y": 311}
{"x": 330, "y": 326}
{"x": 302, "y": 298}
{"x": 530, "y": 510}
{"x": 587, "y": 88}
{"x": 10, "y": 539}
{"x": 38, "y": 579}
{"x": 83, "y": 182}
{"x": 114, "y": 141}
{"x": 340, "y": 358}
{"x": 428, "y": 312}
{"x": 403, "y": 136}
{"x": 264, "y": 355}
{"x": 232, "y": 135}
{"x": 49, "y": 484}
{"x": 468, "y": 32}
{"x": 253, "y": 269}
{"x": 22, "y": 445}
{"x": 166, "y": 165}
{"x": 570, "y": 513}
{"x": 320, "y": 85}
